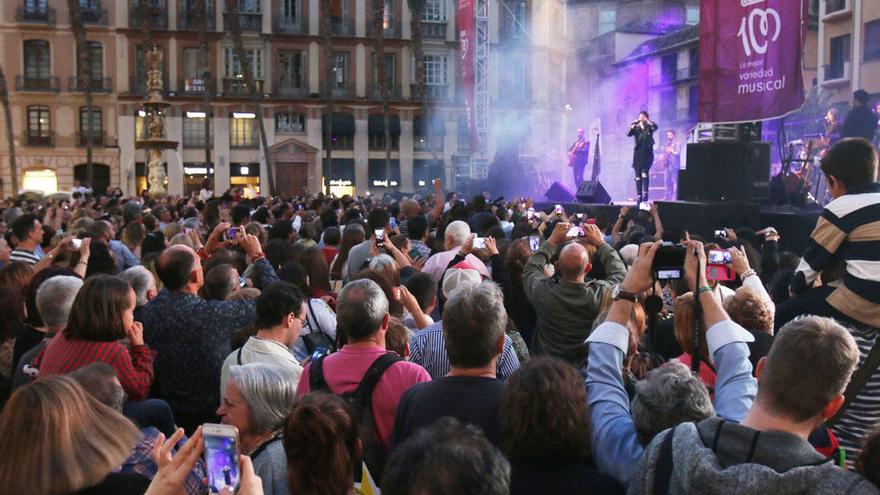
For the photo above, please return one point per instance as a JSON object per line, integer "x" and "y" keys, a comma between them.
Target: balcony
{"x": 247, "y": 22}
{"x": 392, "y": 31}
{"x": 286, "y": 25}
{"x": 188, "y": 20}
{"x": 98, "y": 139}
{"x": 156, "y": 16}
{"x": 836, "y": 10}
{"x": 196, "y": 141}
{"x": 43, "y": 85}
{"x": 194, "y": 86}
{"x": 435, "y": 92}
{"x": 46, "y": 139}
{"x": 342, "y": 28}
{"x": 285, "y": 90}
{"x": 836, "y": 74}
{"x": 671, "y": 78}
{"x": 238, "y": 87}
{"x": 96, "y": 16}
{"x": 137, "y": 84}
{"x": 96, "y": 85}
{"x": 433, "y": 30}
{"x": 40, "y": 15}
{"x": 375, "y": 92}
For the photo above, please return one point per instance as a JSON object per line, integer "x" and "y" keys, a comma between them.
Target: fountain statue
{"x": 153, "y": 108}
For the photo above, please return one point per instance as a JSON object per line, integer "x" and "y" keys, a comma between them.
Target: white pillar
{"x": 314, "y": 137}
{"x": 266, "y": 9}
{"x": 220, "y": 126}
{"x": 406, "y": 71}
{"x": 172, "y": 15}
{"x": 406, "y": 156}
{"x": 361, "y": 153}
{"x": 174, "y": 132}
{"x": 172, "y": 64}
{"x": 125, "y": 132}
{"x": 264, "y": 155}
{"x": 360, "y": 70}
{"x": 857, "y": 46}
{"x": 314, "y": 60}
{"x": 360, "y": 18}
{"x": 405, "y": 20}
{"x": 314, "y": 17}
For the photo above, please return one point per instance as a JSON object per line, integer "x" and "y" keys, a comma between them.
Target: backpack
{"x": 360, "y": 400}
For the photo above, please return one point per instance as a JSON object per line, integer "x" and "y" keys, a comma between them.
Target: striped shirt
{"x": 134, "y": 367}
{"x": 862, "y": 416}
{"x": 24, "y": 256}
{"x": 848, "y": 230}
{"x": 428, "y": 349}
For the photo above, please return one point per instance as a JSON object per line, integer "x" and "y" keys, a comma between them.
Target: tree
{"x": 379, "y": 61}
{"x": 7, "y": 115}
{"x": 84, "y": 81}
{"x": 327, "y": 28}
{"x": 202, "y": 24}
{"x": 235, "y": 31}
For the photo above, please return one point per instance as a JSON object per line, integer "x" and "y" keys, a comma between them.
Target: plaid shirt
{"x": 141, "y": 461}
{"x": 133, "y": 366}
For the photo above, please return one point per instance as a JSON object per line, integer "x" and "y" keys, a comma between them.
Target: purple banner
{"x": 751, "y": 59}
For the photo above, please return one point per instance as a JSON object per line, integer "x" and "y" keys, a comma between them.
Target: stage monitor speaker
{"x": 726, "y": 171}
{"x": 591, "y": 191}
{"x": 559, "y": 193}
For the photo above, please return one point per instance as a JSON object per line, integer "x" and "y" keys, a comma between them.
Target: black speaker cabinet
{"x": 726, "y": 171}
{"x": 591, "y": 191}
{"x": 559, "y": 193}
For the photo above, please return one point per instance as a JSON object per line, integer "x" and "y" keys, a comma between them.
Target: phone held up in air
{"x": 479, "y": 243}
{"x": 558, "y": 209}
{"x": 76, "y": 243}
{"x": 717, "y": 266}
{"x": 669, "y": 262}
{"x": 645, "y": 206}
{"x": 380, "y": 235}
{"x": 534, "y": 243}
{"x": 221, "y": 457}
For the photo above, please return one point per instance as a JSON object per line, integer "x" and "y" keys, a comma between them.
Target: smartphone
{"x": 187, "y": 231}
{"x": 392, "y": 223}
{"x": 415, "y": 254}
{"x": 575, "y": 232}
{"x": 230, "y": 234}
{"x": 242, "y": 282}
{"x": 719, "y": 272}
{"x": 721, "y": 234}
{"x": 479, "y": 243}
{"x": 221, "y": 456}
{"x": 719, "y": 257}
{"x": 558, "y": 209}
{"x": 645, "y": 206}
{"x": 380, "y": 235}
{"x": 579, "y": 216}
{"x": 534, "y": 242}
{"x": 669, "y": 261}
{"x": 530, "y": 213}
{"x": 76, "y": 243}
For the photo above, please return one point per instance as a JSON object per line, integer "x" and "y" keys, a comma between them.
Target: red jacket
{"x": 134, "y": 367}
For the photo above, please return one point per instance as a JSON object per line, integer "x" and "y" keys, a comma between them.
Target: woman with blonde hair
{"x": 61, "y": 440}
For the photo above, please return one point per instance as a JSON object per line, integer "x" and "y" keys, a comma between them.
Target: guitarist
{"x": 578, "y": 156}
{"x": 671, "y": 160}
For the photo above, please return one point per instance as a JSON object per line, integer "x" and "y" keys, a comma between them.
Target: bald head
{"x": 574, "y": 262}
{"x": 176, "y": 267}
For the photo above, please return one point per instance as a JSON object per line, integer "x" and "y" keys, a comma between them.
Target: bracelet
{"x": 703, "y": 289}
{"x": 258, "y": 257}
{"x": 81, "y": 262}
{"x": 748, "y": 273}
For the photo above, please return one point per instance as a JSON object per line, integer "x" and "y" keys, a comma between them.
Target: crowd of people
{"x": 432, "y": 345}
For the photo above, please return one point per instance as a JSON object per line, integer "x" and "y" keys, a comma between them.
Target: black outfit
{"x": 860, "y": 122}
{"x": 643, "y": 155}
{"x": 580, "y": 156}
{"x": 118, "y": 484}
{"x": 469, "y": 399}
{"x": 27, "y": 339}
{"x": 517, "y": 304}
{"x": 759, "y": 348}
{"x": 527, "y": 478}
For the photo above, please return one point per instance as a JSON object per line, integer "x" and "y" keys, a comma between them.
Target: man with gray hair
{"x": 54, "y": 300}
{"x": 457, "y": 233}
{"x": 618, "y": 438}
{"x": 474, "y": 321}
{"x": 143, "y": 283}
{"x": 362, "y": 320}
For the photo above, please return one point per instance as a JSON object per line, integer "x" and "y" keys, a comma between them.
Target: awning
{"x": 343, "y": 123}
{"x": 420, "y": 127}
{"x": 376, "y": 173}
{"x": 343, "y": 170}
{"x": 376, "y": 124}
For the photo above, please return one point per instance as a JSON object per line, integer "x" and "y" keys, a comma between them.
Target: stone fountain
{"x": 154, "y": 108}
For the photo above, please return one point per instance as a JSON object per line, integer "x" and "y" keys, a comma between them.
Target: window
{"x": 97, "y": 126}
{"x": 194, "y": 130}
{"x": 513, "y": 78}
{"x": 668, "y": 68}
{"x": 242, "y": 131}
{"x": 96, "y": 61}
{"x": 232, "y": 66}
{"x": 838, "y": 56}
{"x": 293, "y": 122}
{"x": 435, "y": 70}
{"x": 693, "y": 101}
{"x": 339, "y": 17}
{"x": 39, "y": 125}
{"x": 667, "y": 105}
{"x": 36, "y": 60}
{"x": 35, "y": 7}
{"x": 693, "y": 15}
{"x": 249, "y": 6}
{"x": 289, "y": 11}
{"x": 434, "y": 11}
{"x": 140, "y": 129}
{"x": 193, "y": 63}
{"x": 872, "y": 40}
{"x": 515, "y": 19}
{"x": 390, "y": 74}
{"x": 607, "y": 21}
{"x": 694, "y": 62}
{"x": 292, "y": 68}
{"x": 40, "y": 180}
{"x": 340, "y": 62}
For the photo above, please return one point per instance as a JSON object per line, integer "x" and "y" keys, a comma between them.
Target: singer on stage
{"x": 642, "y": 130}
{"x": 578, "y": 156}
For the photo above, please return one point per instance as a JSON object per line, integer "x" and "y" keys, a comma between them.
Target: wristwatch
{"x": 618, "y": 294}
{"x": 748, "y": 273}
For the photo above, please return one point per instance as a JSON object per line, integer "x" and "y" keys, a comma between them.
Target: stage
{"x": 793, "y": 224}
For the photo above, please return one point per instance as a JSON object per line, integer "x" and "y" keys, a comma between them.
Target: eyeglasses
{"x": 301, "y": 320}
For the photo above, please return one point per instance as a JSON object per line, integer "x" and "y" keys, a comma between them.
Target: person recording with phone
{"x": 642, "y": 131}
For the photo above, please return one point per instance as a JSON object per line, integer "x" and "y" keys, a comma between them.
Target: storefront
{"x": 342, "y": 134}
{"x": 377, "y": 174}
{"x": 245, "y": 176}
{"x": 341, "y": 176}
{"x": 193, "y": 175}
{"x": 425, "y": 171}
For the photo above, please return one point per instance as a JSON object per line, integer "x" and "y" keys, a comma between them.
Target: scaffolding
{"x": 480, "y": 160}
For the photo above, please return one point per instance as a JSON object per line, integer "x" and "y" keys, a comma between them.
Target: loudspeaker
{"x": 726, "y": 171}
{"x": 591, "y": 191}
{"x": 559, "y": 193}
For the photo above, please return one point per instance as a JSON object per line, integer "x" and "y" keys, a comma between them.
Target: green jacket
{"x": 566, "y": 310}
